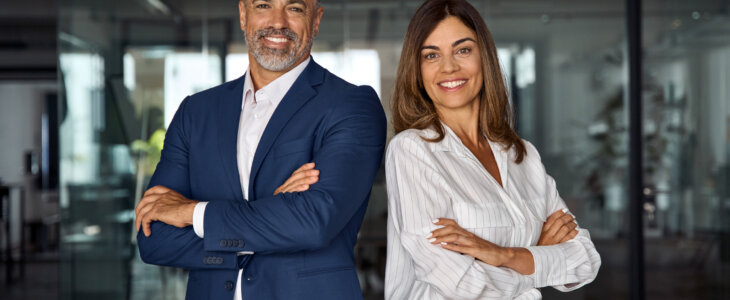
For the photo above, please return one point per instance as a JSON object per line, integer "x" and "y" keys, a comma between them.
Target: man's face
{"x": 279, "y": 33}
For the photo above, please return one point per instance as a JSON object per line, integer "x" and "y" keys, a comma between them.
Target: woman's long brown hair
{"x": 413, "y": 108}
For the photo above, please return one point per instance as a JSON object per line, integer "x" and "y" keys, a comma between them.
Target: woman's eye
{"x": 464, "y": 51}
{"x": 430, "y": 56}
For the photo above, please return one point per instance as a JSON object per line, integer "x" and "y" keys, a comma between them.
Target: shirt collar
{"x": 275, "y": 91}
{"x": 452, "y": 143}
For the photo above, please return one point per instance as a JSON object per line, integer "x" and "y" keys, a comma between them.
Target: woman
{"x": 472, "y": 213}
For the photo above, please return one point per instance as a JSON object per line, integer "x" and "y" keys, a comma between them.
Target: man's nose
{"x": 278, "y": 18}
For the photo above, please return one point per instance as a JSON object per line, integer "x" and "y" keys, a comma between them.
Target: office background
{"x": 87, "y": 88}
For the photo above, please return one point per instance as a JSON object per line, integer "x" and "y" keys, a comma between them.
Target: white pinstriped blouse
{"x": 445, "y": 180}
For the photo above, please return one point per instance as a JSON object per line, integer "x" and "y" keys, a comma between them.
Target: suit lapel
{"x": 301, "y": 91}
{"x": 229, "y": 111}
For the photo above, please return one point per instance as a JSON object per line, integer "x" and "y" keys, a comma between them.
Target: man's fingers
{"x": 307, "y": 166}
{"x": 142, "y": 213}
{"x": 146, "y": 200}
{"x": 298, "y": 176}
{"x": 158, "y": 189}
{"x": 146, "y": 227}
{"x": 296, "y": 184}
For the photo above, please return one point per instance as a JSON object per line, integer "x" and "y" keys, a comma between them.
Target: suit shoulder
{"x": 203, "y": 98}
{"x": 337, "y": 86}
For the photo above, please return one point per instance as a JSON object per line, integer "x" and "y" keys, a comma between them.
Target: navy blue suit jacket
{"x": 303, "y": 242}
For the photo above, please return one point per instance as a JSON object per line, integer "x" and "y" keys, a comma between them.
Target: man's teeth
{"x": 452, "y": 84}
{"x": 276, "y": 40}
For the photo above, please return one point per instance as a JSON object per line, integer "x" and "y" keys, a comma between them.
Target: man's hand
{"x": 560, "y": 227}
{"x": 162, "y": 204}
{"x": 300, "y": 179}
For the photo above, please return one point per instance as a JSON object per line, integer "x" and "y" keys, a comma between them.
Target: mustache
{"x": 261, "y": 33}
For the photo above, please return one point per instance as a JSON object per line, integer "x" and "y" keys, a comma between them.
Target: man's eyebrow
{"x": 297, "y": 2}
{"x": 461, "y": 41}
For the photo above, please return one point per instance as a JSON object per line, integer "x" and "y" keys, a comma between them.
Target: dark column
{"x": 636, "y": 183}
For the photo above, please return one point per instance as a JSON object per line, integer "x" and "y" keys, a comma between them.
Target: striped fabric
{"x": 445, "y": 180}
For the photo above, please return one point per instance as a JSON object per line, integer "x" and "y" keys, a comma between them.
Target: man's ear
{"x": 318, "y": 19}
{"x": 242, "y": 14}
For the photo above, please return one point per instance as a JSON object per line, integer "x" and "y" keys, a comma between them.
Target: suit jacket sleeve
{"x": 348, "y": 161}
{"x": 169, "y": 245}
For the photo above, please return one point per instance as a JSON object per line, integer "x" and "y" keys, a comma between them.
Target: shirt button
{"x": 256, "y": 116}
{"x": 229, "y": 285}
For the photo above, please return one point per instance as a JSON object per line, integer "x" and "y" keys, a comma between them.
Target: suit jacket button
{"x": 229, "y": 285}
{"x": 222, "y": 243}
{"x": 205, "y": 260}
{"x": 218, "y": 260}
{"x": 229, "y": 243}
{"x": 241, "y": 243}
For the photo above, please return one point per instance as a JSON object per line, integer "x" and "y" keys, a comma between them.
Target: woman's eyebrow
{"x": 453, "y": 45}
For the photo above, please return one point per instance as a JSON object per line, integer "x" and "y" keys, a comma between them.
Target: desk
{"x": 6, "y": 208}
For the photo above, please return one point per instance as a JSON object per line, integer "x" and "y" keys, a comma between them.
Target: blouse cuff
{"x": 550, "y": 265}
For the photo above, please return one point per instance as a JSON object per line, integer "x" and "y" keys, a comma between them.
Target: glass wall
{"x": 687, "y": 149}
{"x": 126, "y": 65}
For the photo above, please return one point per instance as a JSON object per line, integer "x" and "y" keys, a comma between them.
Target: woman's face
{"x": 451, "y": 67}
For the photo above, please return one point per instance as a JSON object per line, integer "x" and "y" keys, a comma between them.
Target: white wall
{"x": 21, "y": 106}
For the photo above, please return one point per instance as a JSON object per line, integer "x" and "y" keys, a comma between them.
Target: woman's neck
{"x": 464, "y": 122}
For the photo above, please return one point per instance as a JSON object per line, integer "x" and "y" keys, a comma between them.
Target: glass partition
{"x": 126, "y": 65}
{"x": 687, "y": 149}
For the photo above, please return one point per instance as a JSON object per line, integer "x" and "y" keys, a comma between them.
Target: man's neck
{"x": 262, "y": 77}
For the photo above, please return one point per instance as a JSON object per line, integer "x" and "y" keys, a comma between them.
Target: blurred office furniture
{"x": 7, "y": 213}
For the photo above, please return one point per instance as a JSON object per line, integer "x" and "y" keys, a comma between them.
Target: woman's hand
{"x": 452, "y": 237}
{"x": 559, "y": 227}
{"x": 300, "y": 179}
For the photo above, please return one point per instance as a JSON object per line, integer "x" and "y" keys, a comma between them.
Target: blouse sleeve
{"x": 417, "y": 194}
{"x": 567, "y": 266}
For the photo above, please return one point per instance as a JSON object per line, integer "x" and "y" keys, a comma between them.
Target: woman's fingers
{"x": 564, "y": 230}
{"x": 558, "y": 223}
{"x": 458, "y": 248}
{"x": 555, "y": 216}
{"x": 571, "y": 235}
{"x": 453, "y": 238}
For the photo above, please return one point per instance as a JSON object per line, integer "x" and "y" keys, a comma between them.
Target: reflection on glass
{"x": 126, "y": 66}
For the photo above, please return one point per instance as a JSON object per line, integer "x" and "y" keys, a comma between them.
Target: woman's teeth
{"x": 452, "y": 84}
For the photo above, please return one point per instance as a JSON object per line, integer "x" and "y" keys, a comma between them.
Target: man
{"x": 230, "y": 147}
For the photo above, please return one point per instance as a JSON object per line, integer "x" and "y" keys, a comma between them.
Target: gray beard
{"x": 277, "y": 60}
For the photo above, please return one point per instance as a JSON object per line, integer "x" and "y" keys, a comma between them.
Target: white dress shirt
{"x": 256, "y": 110}
{"x": 428, "y": 180}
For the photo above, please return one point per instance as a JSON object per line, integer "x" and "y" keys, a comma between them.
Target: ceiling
{"x": 29, "y": 28}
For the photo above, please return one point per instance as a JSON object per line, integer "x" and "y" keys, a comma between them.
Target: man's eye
{"x": 297, "y": 9}
{"x": 262, "y": 6}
